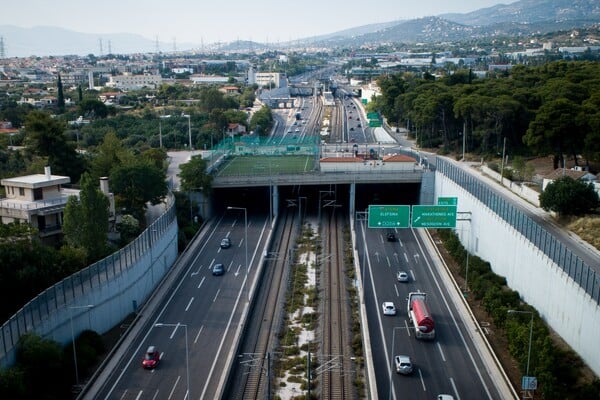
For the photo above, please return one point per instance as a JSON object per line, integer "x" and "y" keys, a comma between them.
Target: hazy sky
{"x": 195, "y": 21}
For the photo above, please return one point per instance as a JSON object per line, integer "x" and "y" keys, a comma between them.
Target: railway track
{"x": 252, "y": 377}
{"x": 335, "y": 365}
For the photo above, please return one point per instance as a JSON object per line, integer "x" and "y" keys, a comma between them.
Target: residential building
{"x": 131, "y": 82}
{"x": 37, "y": 199}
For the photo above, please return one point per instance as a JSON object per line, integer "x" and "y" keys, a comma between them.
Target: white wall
{"x": 563, "y": 305}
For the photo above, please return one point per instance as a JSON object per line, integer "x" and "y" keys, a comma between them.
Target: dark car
{"x": 225, "y": 243}
{"x": 151, "y": 358}
{"x": 391, "y": 237}
{"x": 218, "y": 269}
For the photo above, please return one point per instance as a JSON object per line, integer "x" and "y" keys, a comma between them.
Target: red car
{"x": 151, "y": 358}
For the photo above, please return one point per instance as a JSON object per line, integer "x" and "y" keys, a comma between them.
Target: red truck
{"x": 419, "y": 315}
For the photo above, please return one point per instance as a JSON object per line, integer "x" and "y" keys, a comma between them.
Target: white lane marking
{"x": 422, "y": 381}
{"x": 198, "y": 335}
{"x": 454, "y": 388}
{"x": 174, "y": 386}
{"x": 216, "y": 295}
{"x": 201, "y": 282}
{"x": 441, "y": 351}
{"x": 189, "y": 304}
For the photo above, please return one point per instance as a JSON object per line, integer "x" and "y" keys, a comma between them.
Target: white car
{"x": 402, "y": 276}
{"x": 388, "y": 308}
{"x": 444, "y": 397}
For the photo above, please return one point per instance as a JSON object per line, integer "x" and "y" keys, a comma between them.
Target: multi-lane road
{"x": 449, "y": 364}
{"x": 195, "y": 325}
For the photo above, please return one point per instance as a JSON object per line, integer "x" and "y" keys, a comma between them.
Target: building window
{"x": 21, "y": 191}
{"x": 38, "y": 194}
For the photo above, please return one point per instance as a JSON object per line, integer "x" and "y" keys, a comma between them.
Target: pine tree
{"x": 61, "y": 95}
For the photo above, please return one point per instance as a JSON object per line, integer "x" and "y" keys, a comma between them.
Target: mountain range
{"x": 521, "y": 18}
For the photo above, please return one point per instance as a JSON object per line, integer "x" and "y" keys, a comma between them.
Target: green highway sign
{"x": 447, "y": 201}
{"x": 397, "y": 216}
{"x": 433, "y": 217}
{"x": 374, "y": 123}
{"x": 364, "y": 101}
{"x": 373, "y": 115}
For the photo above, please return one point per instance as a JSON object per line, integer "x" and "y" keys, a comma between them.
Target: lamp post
{"x": 530, "y": 337}
{"x": 71, "y": 308}
{"x": 392, "y": 367}
{"x": 160, "y": 118}
{"x": 245, "y": 239}
{"x": 187, "y": 358}
{"x": 189, "y": 117}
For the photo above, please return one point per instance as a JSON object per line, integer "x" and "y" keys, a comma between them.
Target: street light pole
{"x": 530, "y": 337}
{"x": 245, "y": 239}
{"x": 189, "y": 117}
{"x": 187, "y": 357}
{"x": 73, "y": 338}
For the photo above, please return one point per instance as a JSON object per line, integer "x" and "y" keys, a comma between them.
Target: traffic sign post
{"x": 447, "y": 201}
{"x": 373, "y": 115}
{"x": 433, "y": 216}
{"x": 528, "y": 383}
{"x": 374, "y": 123}
{"x": 389, "y": 216}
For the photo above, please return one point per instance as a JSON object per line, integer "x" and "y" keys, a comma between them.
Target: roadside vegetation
{"x": 561, "y": 373}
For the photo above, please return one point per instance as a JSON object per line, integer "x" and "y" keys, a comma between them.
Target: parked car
{"x": 388, "y": 308}
{"x": 225, "y": 243}
{"x": 402, "y": 276}
{"x": 218, "y": 269}
{"x": 404, "y": 365}
{"x": 151, "y": 358}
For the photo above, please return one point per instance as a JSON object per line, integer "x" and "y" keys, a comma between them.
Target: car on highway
{"x": 225, "y": 243}
{"x": 444, "y": 397}
{"x": 404, "y": 365}
{"x": 388, "y": 308}
{"x": 151, "y": 358}
{"x": 391, "y": 237}
{"x": 402, "y": 276}
{"x": 218, "y": 269}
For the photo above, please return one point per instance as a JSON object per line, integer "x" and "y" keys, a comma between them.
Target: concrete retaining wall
{"x": 561, "y": 302}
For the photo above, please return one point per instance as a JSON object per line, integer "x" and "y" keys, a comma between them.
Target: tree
{"x": 568, "y": 196}
{"x": 43, "y": 364}
{"x": 46, "y": 138}
{"x": 60, "y": 100}
{"x": 193, "y": 175}
{"x": 86, "y": 221}
{"x": 555, "y": 130}
{"x": 93, "y": 108}
{"x": 110, "y": 154}
{"x": 136, "y": 184}
{"x": 261, "y": 121}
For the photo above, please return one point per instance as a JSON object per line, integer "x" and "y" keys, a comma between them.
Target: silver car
{"x": 402, "y": 276}
{"x": 404, "y": 365}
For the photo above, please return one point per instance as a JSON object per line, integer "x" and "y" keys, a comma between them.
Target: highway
{"x": 448, "y": 364}
{"x": 195, "y": 326}
{"x": 198, "y": 320}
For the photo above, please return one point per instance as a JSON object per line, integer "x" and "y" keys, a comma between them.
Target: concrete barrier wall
{"x": 99, "y": 296}
{"x": 563, "y": 304}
